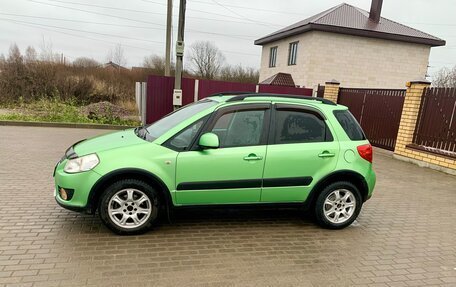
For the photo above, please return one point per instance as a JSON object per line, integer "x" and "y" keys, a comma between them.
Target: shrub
{"x": 104, "y": 110}
{"x": 28, "y": 80}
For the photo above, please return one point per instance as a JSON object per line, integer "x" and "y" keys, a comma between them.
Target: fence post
{"x": 144, "y": 103}
{"x": 409, "y": 117}
{"x": 332, "y": 90}
{"x": 196, "y": 91}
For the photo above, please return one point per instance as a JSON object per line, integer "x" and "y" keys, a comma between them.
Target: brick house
{"x": 356, "y": 47}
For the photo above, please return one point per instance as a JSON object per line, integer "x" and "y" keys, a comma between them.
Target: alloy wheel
{"x": 339, "y": 206}
{"x": 129, "y": 208}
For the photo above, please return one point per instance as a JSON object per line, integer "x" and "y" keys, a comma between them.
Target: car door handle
{"x": 253, "y": 157}
{"x": 326, "y": 154}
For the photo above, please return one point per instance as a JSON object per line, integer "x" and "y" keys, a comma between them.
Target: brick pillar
{"x": 409, "y": 116}
{"x": 331, "y": 90}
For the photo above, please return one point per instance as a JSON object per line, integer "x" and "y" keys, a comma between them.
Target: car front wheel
{"x": 338, "y": 205}
{"x": 129, "y": 207}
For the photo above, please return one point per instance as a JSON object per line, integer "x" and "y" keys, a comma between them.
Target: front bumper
{"x": 81, "y": 183}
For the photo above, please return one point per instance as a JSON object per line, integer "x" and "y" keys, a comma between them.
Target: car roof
{"x": 265, "y": 97}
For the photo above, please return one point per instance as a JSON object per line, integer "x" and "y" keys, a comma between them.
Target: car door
{"x": 233, "y": 172}
{"x": 301, "y": 150}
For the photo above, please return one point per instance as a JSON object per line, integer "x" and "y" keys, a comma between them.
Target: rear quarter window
{"x": 350, "y": 125}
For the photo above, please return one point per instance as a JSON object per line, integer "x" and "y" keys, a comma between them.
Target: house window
{"x": 292, "y": 53}
{"x": 272, "y": 57}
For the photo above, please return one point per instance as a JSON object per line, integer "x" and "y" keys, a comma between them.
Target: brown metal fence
{"x": 377, "y": 110}
{"x": 436, "y": 125}
{"x": 160, "y": 92}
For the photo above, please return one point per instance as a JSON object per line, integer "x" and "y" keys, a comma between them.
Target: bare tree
{"x": 84, "y": 62}
{"x": 117, "y": 56}
{"x": 14, "y": 55}
{"x": 30, "y": 55}
{"x": 156, "y": 64}
{"x": 445, "y": 77}
{"x": 239, "y": 74}
{"x": 47, "y": 53}
{"x": 206, "y": 59}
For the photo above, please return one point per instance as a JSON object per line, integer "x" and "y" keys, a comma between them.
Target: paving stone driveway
{"x": 405, "y": 235}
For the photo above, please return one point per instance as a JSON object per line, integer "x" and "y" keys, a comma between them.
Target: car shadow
{"x": 239, "y": 214}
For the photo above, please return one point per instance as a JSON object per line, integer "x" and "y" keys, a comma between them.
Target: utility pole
{"x": 169, "y": 19}
{"x": 177, "y": 96}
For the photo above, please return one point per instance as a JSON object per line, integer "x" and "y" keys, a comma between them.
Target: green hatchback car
{"x": 235, "y": 149}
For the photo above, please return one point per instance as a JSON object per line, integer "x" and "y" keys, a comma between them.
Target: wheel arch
{"x": 126, "y": 173}
{"x": 342, "y": 175}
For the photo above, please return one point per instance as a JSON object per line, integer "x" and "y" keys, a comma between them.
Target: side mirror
{"x": 209, "y": 140}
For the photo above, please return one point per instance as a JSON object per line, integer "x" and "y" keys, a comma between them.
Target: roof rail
{"x": 235, "y": 93}
{"x": 251, "y": 95}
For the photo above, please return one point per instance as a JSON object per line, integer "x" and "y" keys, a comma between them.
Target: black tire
{"x": 140, "y": 187}
{"x": 319, "y": 208}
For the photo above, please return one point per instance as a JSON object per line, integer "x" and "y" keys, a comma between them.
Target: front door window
{"x": 240, "y": 128}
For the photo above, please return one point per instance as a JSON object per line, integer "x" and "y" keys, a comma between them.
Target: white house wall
{"x": 354, "y": 61}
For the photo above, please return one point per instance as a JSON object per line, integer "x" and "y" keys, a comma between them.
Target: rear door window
{"x": 299, "y": 126}
{"x": 350, "y": 125}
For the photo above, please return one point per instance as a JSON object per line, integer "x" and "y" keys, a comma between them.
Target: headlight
{"x": 83, "y": 163}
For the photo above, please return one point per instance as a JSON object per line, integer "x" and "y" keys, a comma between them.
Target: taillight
{"x": 365, "y": 151}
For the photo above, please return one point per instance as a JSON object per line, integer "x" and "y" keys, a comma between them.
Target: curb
{"x": 64, "y": 125}
{"x": 425, "y": 164}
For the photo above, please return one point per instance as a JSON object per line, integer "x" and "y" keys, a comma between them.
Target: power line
{"x": 129, "y": 19}
{"x": 242, "y": 37}
{"x": 79, "y": 21}
{"x": 83, "y": 31}
{"x": 218, "y": 14}
{"x": 96, "y": 13}
{"x": 106, "y": 7}
{"x": 150, "y": 12}
{"x": 251, "y": 8}
{"x": 74, "y": 35}
{"x": 240, "y": 15}
{"x": 132, "y": 10}
{"x": 39, "y": 26}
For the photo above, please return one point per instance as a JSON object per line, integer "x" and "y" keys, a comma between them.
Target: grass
{"x": 57, "y": 111}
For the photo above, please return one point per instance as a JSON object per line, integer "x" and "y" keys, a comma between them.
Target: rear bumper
{"x": 371, "y": 180}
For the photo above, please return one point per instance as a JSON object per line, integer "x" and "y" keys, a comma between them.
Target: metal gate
{"x": 436, "y": 126}
{"x": 378, "y": 111}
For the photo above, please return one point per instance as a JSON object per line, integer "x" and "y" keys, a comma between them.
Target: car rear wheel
{"x": 129, "y": 207}
{"x": 338, "y": 205}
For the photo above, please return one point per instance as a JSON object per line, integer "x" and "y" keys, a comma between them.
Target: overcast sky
{"x": 91, "y": 28}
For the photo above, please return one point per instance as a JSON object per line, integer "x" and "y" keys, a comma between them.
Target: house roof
{"x": 351, "y": 20}
{"x": 280, "y": 79}
{"x": 111, "y": 64}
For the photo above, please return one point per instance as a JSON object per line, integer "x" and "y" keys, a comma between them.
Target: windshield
{"x": 158, "y": 128}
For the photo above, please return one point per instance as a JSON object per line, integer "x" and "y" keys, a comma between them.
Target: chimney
{"x": 376, "y": 10}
